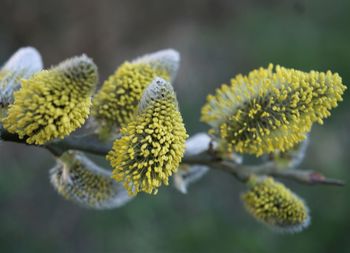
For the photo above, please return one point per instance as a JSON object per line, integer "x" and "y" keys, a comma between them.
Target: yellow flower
{"x": 271, "y": 109}
{"x": 22, "y": 64}
{"x": 78, "y": 179}
{"x": 152, "y": 144}
{"x": 276, "y": 206}
{"x": 53, "y": 102}
{"x": 117, "y": 100}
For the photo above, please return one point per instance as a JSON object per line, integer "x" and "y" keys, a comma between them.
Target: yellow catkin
{"x": 116, "y": 102}
{"x": 152, "y": 144}
{"x": 78, "y": 179}
{"x": 275, "y": 205}
{"x": 271, "y": 109}
{"x": 53, "y": 102}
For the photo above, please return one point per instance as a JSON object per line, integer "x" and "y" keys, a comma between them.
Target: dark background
{"x": 217, "y": 39}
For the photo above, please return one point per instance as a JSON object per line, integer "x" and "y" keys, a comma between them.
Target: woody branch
{"x": 91, "y": 144}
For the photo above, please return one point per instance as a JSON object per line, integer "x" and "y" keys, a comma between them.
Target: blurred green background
{"x": 217, "y": 39}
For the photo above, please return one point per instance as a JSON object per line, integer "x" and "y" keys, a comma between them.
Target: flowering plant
{"x": 134, "y": 120}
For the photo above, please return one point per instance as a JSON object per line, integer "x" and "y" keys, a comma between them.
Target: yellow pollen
{"x": 271, "y": 109}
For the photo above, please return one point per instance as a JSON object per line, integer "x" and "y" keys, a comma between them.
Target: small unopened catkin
{"x": 25, "y": 62}
{"x": 80, "y": 180}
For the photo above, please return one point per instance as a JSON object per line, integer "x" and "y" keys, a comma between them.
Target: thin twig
{"x": 91, "y": 144}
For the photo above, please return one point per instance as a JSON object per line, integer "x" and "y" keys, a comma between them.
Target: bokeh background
{"x": 217, "y": 39}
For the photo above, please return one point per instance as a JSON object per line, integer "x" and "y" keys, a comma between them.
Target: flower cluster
{"x": 53, "y": 103}
{"x": 117, "y": 100}
{"x": 273, "y": 204}
{"x": 271, "y": 109}
{"x": 152, "y": 144}
{"x": 78, "y": 179}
